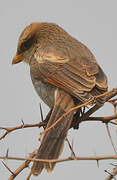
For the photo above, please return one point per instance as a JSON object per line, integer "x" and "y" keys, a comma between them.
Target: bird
{"x": 64, "y": 73}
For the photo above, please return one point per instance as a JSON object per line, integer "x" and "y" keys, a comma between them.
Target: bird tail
{"x": 52, "y": 143}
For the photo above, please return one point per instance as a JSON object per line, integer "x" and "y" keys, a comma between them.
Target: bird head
{"x": 26, "y": 44}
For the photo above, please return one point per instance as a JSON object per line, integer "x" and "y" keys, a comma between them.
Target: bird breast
{"x": 45, "y": 91}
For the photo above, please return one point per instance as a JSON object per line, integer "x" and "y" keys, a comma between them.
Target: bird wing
{"x": 76, "y": 74}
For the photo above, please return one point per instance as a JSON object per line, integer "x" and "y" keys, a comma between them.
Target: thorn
{"x": 113, "y": 164}
{"x": 8, "y": 169}
{"x": 96, "y": 159}
{"x": 97, "y": 163}
{"x": 72, "y": 152}
{"x": 110, "y": 174}
{"x": 110, "y": 137}
{"x": 22, "y": 123}
{"x": 41, "y": 112}
{"x": 107, "y": 172}
{"x": 7, "y": 152}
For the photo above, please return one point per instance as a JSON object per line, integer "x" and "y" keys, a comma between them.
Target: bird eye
{"x": 25, "y": 45}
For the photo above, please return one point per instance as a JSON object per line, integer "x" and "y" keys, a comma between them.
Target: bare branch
{"x": 112, "y": 94}
{"x": 29, "y": 176}
{"x": 111, "y": 175}
{"x": 10, "y": 129}
{"x": 110, "y": 137}
{"x": 8, "y": 169}
{"x": 72, "y": 151}
{"x": 62, "y": 160}
{"x": 83, "y": 118}
{"x": 108, "y": 94}
{"x": 105, "y": 119}
{"x": 112, "y": 100}
{"x": 22, "y": 166}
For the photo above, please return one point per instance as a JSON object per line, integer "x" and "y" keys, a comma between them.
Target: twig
{"x": 112, "y": 94}
{"x": 113, "y": 123}
{"x": 115, "y": 112}
{"x": 114, "y": 103}
{"x": 111, "y": 175}
{"x": 115, "y": 165}
{"x": 9, "y": 169}
{"x": 22, "y": 166}
{"x": 10, "y": 129}
{"x": 29, "y": 176}
{"x": 65, "y": 114}
{"x": 110, "y": 137}
{"x": 62, "y": 160}
{"x": 85, "y": 117}
{"x": 105, "y": 119}
{"x": 112, "y": 100}
{"x": 72, "y": 152}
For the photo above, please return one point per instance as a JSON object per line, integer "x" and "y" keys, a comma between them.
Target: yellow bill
{"x": 17, "y": 58}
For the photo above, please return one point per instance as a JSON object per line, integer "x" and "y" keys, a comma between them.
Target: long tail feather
{"x": 53, "y": 141}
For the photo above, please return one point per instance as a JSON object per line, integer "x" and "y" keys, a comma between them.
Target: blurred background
{"x": 92, "y": 22}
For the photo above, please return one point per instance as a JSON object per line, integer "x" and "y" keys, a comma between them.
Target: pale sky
{"x": 95, "y": 24}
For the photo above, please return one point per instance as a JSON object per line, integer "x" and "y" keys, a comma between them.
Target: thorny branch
{"x": 32, "y": 155}
{"x": 93, "y": 158}
{"x": 106, "y": 119}
{"x": 111, "y": 175}
{"x": 22, "y": 166}
{"x": 77, "y": 107}
{"x": 109, "y": 134}
{"x": 71, "y": 148}
{"x": 10, "y": 129}
{"x": 85, "y": 117}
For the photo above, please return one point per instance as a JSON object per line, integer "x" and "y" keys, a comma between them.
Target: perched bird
{"x": 64, "y": 73}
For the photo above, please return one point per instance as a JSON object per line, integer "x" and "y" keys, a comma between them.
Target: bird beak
{"x": 17, "y": 58}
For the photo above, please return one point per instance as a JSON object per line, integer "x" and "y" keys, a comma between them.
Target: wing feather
{"x": 77, "y": 75}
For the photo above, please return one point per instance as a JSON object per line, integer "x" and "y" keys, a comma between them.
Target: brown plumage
{"x": 64, "y": 72}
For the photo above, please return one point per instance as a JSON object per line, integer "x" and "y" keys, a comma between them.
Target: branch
{"x": 108, "y": 95}
{"x": 71, "y": 148}
{"x": 105, "y": 119}
{"x": 112, "y": 94}
{"x": 9, "y": 169}
{"x": 112, "y": 175}
{"x": 10, "y": 129}
{"x": 110, "y": 137}
{"x": 23, "y": 166}
{"x": 85, "y": 117}
{"x": 61, "y": 160}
